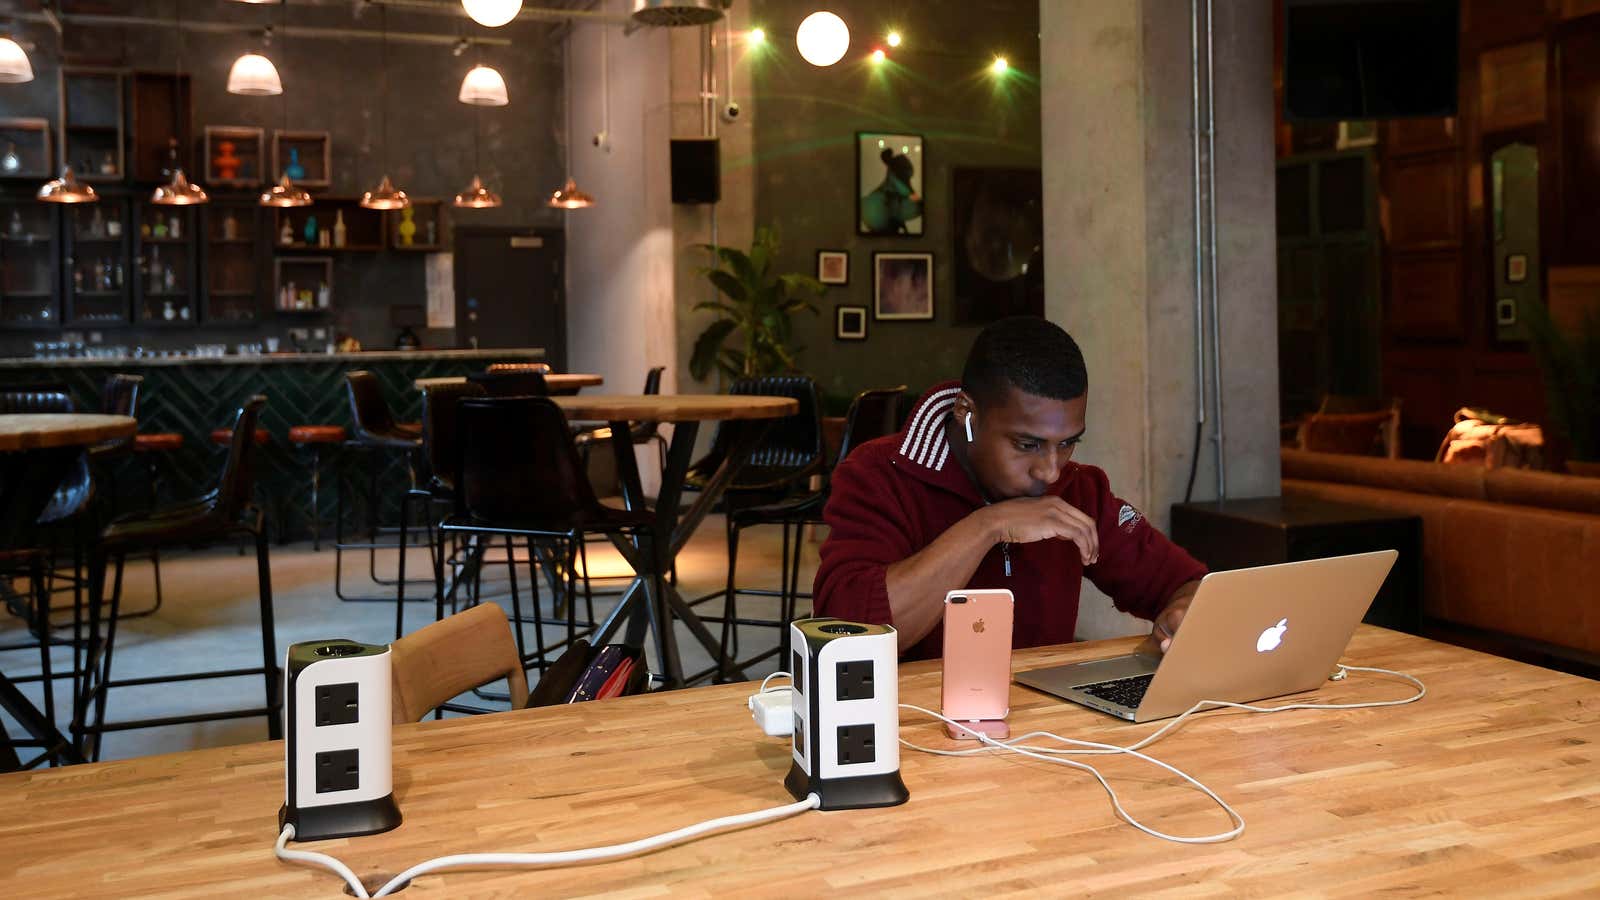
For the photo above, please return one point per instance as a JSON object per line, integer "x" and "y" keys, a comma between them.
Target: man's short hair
{"x": 1028, "y": 353}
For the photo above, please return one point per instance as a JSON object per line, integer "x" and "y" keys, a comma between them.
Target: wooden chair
{"x": 467, "y": 650}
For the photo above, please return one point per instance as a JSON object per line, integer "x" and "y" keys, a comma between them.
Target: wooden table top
{"x": 675, "y": 407}
{"x": 556, "y": 381}
{"x": 1490, "y": 785}
{"x": 41, "y": 431}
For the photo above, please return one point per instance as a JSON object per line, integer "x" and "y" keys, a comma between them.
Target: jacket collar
{"x": 924, "y": 449}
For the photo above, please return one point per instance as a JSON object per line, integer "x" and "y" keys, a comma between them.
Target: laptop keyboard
{"x": 1127, "y": 692}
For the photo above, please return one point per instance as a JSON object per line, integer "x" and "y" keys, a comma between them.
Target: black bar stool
{"x": 376, "y": 433}
{"x": 314, "y": 438}
{"x": 227, "y": 510}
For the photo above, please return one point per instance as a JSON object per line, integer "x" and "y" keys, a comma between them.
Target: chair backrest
{"x": 652, "y": 380}
{"x": 120, "y": 396}
{"x": 236, "y": 486}
{"x": 440, "y": 435}
{"x": 518, "y": 462}
{"x": 369, "y": 412}
{"x": 642, "y": 431}
{"x": 541, "y": 368}
{"x": 1375, "y": 433}
{"x": 522, "y": 383}
{"x": 873, "y": 413}
{"x": 35, "y": 398}
{"x": 792, "y": 442}
{"x": 467, "y": 650}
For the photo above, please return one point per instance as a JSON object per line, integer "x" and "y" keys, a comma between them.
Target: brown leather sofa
{"x": 1511, "y": 552}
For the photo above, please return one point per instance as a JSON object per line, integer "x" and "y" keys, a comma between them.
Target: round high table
{"x": 642, "y": 608}
{"x": 36, "y": 451}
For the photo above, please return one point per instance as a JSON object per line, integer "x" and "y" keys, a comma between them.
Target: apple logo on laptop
{"x": 1272, "y": 637}
{"x": 978, "y": 626}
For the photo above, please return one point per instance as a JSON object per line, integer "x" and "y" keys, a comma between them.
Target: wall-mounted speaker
{"x": 696, "y": 170}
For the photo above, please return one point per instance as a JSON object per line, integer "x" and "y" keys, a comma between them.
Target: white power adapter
{"x": 338, "y": 778}
{"x": 773, "y": 710}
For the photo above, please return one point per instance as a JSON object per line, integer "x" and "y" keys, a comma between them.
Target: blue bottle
{"x": 294, "y": 170}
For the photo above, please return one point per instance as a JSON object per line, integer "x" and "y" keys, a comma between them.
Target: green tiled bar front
{"x": 192, "y": 397}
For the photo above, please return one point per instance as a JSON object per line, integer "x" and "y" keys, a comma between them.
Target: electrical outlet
{"x": 854, "y": 680}
{"x": 799, "y": 735}
{"x": 338, "y": 704}
{"x": 339, "y": 770}
{"x": 797, "y": 673}
{"x": 855, "y": 745}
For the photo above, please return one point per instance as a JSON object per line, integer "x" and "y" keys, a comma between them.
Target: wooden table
{"x": 1489, "y": 786}
{"x": 557, "y": 382}
{"x": 36, "y": 450}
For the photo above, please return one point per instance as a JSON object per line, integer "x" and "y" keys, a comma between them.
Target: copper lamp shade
{"x": 571, "y": 197}
{"x": 179, "y": 192}
{"x": 67, "y": 189}
{"x": 385, "y": 196}
{"x": 285, "y": 194}
{"x": 476, "y": 196}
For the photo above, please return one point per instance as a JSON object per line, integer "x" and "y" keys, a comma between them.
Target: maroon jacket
{"x": 893, "y": 496}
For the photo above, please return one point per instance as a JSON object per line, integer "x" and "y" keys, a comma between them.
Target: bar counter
{"x": 192, "y": 396}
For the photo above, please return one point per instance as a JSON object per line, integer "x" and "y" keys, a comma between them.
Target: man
{"x": 980, "y": 491}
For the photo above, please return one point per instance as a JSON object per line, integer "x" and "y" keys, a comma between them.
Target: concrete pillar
{"x": 1119, "y": 244}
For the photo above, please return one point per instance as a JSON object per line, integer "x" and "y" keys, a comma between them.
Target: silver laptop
{"x": 1249, "y": 634}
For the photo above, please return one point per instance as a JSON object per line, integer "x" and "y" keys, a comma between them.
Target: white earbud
{"x": 968, "y": 423}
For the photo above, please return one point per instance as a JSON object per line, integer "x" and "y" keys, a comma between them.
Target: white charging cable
{"x": 1092, "y": 748}
{"x": 566, "y": 857}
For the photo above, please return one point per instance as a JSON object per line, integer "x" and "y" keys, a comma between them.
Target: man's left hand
{"x": 1169, "y": 619}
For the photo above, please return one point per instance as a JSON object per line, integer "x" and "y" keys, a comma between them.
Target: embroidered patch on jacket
{"x": 1128, "y": 518}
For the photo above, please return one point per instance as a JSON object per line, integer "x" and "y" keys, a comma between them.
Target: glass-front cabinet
{"x": 164, "y": 288}
{"x": 233, "y": 261}
{"x": 95, "y": 270}
{"x": 28, "y": 264}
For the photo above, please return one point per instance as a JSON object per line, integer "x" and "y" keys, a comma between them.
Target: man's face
{"x": 1021, "y": 444}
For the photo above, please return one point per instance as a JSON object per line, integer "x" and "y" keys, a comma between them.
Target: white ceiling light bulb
{"x": 822, "y": 38}
{"x": 492, "y": 13}
{"x": 483, "y": 86}
{"x": 253, "y": 75}
{"x": 14, "y": 65}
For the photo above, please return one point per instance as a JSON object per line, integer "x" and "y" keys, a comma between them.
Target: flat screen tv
{"x": 1370, "y": 59}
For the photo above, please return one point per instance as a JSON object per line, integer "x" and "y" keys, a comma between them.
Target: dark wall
{"x": 333, "y": 85}
{"x": 936, "y": 85}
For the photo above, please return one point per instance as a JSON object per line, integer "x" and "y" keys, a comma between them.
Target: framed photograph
{"x": 998, "y": 266}
{"x": 902, "y": 286}
{"x": 833, "y": 266}
{"x": 889, "y": 171}
{"x": 850, "y": 323}
{"x": 1516, "y": 268}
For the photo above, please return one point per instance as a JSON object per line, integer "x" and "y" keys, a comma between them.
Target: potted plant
{"x": 754, "y": 309}
{"x": 1570, "y": 362}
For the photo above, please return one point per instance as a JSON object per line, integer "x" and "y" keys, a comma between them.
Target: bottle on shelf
{"x": 286, "y": 233}
{"x": 16, "y": 223}
{"x": 230, "y": 225}
{"x": 324, "y": 296}
{"x": 154, "y": 270}
{"x": 338, "y": 229}
{"x": 97, "y": 224}
{"x": 174, "y": 227}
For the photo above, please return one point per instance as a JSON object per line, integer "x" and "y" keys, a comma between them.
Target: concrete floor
{"x": 209, "y": 621}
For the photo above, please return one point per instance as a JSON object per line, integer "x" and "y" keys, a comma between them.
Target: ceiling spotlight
{"x": 14, "y": 65}
{"x": 1000, "y": 65}
{"x": 253, "y": 75}
{"x": 483, "y": 86}
{"x": 879, "y": 56}
{"x": 492, "y": 13}
{"x": 893, "y": 38}
{"x": 756, "y": 36}
{"x": 822, "y": 38}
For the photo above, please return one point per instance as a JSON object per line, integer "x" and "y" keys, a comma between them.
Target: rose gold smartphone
{"x": 977, "y": 661}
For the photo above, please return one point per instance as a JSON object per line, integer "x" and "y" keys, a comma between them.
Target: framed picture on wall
{"x": 889, "y": 171}
{"x": 850, "y": 323}
{"x": 998, "y": 267}
{"x": 902, "y": 286}
{"x": 833, "y": 266}
{"x": 1516, "y": 268}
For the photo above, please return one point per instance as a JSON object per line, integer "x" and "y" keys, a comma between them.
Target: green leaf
{"x": 735, "y": 289}
{"x": 719, "y": 306}
{"x": 708, "y": 346}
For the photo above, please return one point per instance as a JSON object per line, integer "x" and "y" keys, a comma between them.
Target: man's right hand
{"x": 1028, "y": 519}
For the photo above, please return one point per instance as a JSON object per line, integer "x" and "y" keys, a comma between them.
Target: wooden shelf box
{"x": 25, "y": 144}
{"x": 161, "y": 106}
{"x": 313, "y": 150}
{"x": 300, "y": 282}
{"x": 429, "y": 236}
{"x": 247, "y": 159}
{"x": 91, "y": 123}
